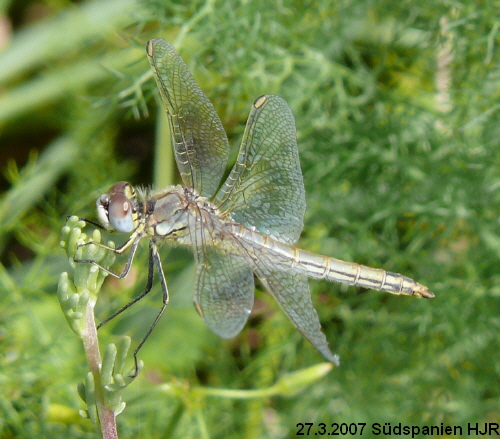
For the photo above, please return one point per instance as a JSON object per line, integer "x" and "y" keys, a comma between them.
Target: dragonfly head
{"x": 115, "y": 209}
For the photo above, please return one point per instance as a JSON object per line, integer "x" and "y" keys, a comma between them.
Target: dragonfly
{"x": 238, "y": 230}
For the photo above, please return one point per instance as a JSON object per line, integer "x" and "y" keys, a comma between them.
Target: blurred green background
{"x": 396, "y": 106}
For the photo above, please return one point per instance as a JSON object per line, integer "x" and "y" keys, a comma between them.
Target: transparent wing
{"x": 265, "y": 189}
{"x": 224, "y": 291}
{"x": 291, "y": 290}
{"x": 200, "y": 142}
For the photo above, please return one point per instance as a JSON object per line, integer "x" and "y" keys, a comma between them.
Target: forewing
{"x": 224, "y": 291}
{"x": 200, "y": 142}
{"x": 265, "y": 189}
{"x": 291, "y": 290}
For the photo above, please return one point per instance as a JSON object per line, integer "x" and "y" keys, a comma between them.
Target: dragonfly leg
{"x": 149, "y": 285}
{"x": 154, "y": 259}
{"x": 87, "y": 221}
{"x": 130, "y": 243}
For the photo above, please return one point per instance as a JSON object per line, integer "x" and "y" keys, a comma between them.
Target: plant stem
{"x": 107, "y": 417}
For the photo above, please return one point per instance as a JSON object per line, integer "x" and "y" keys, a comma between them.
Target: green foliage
{"x": 396, "y": 105}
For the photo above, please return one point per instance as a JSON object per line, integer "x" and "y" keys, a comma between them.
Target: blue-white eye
{"x": 120, "y": 213}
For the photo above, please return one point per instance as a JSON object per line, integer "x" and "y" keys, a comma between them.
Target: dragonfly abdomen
{"x": 288, "y": 258}
{"x": 324, "y": 267}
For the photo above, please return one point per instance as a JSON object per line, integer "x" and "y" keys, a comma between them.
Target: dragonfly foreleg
{"x": 130, "y": 242}
{"x": 87, "y": 221}
{"x": 126, "y": 269}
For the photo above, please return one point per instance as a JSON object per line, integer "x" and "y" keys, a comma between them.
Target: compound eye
{"x": 120, "y": 213}
{"x": 102, "y": 205}
{"x": 122, "y": 187}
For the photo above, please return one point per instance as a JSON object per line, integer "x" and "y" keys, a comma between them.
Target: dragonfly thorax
{"x": 170, "y": 211}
